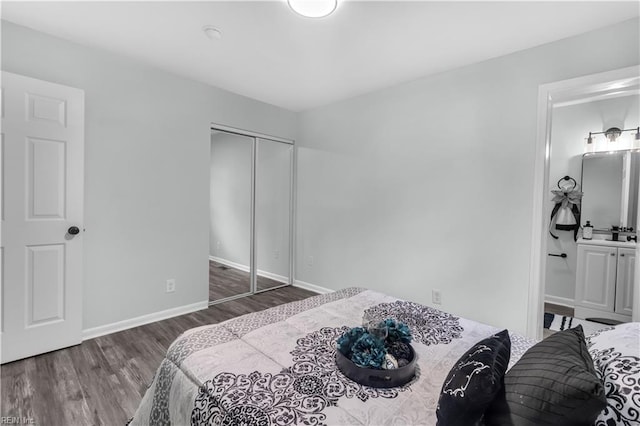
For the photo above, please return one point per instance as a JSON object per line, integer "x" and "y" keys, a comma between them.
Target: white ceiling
{"x": 269, "y": 53}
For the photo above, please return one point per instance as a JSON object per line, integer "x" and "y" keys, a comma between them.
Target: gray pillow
{"x": 554, "y": 382}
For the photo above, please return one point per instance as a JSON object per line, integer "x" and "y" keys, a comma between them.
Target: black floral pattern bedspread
{"x": 277, "y": 367}
{"x": 616, "y": 357}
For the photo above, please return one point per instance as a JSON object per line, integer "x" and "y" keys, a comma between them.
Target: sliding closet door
{"x": 230, "y": 215}
{"x": 273, "y": 213}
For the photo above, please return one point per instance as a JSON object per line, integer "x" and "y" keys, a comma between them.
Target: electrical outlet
{"x": 171, "y": 285}
{"x": 310, "y": 261}
{"x": 436, "y": 297}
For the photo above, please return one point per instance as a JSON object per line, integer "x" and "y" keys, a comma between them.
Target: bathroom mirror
{"x": 610, "y": 182}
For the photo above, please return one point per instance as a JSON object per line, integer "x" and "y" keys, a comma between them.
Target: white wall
{"x": 147, "y": 170}
{"x": 428, "y": 185}
{"x": 421, "y": 186}
{"x": 570, "y": 127}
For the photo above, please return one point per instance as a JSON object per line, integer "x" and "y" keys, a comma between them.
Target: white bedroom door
{"x": 42, "y": 216}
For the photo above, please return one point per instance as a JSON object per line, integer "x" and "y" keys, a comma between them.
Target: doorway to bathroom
{"x": 570, "y": 112}
{"x": 250, "y": 213}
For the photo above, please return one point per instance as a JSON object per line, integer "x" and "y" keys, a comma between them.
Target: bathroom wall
{"x": 570, "y": 128}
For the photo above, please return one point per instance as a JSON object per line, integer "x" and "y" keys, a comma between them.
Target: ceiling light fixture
{"x": 313, "y": 8}
{"x": 212, "y": 32}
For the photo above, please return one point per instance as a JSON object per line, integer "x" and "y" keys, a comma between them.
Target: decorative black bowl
{"x": 378, "y": 378}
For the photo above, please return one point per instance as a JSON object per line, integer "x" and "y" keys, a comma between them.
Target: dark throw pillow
{"x": 474, "y": 381}
{"x": 554, "y": 382}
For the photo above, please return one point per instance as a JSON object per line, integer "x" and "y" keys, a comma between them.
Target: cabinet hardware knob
{"x": 622, "y": 254}
{"x": 613, "y": 254}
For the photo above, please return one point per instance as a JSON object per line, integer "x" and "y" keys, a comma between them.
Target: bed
{"x": 277, "y": 367}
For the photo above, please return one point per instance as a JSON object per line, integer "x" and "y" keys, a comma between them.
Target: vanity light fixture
{"x": 313, "y": 8}
{"x": 612, "y": 135}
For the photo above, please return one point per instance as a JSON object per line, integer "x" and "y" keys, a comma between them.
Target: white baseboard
{"x": 297, "y": 283}
{"x": 102, "y": 330}
{"x": 275, "y": 277}
{"x": 230, "y": 264}
{"x": 245, "y": 268}
{"x": 312, "y": 287}
{"x": 557, "y": 300}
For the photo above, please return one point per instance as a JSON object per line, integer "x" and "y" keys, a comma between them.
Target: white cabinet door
{"x": 625, "y": 281}
{"x": 42, "y": 198}
{"x": 596, "y": 277}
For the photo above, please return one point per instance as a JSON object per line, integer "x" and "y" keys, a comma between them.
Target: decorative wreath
{"x": 565, "y": 215}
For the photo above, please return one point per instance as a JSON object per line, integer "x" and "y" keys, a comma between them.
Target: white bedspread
{"x": 277, "y": 367}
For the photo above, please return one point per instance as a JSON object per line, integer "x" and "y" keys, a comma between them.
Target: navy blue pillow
{"x": 474, "y": 381}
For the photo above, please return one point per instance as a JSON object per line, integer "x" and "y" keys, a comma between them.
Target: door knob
{"x": 74, "y": 230}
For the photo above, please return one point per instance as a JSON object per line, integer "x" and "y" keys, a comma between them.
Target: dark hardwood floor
{"x": 558, "y": 310}
{"x": 225, "y": 281}
{"x": 102, "y": 381}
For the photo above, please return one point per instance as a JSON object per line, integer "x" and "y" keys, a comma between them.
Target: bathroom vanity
{"x": 605, "y": 279}
{"x": 606, "y": 264}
